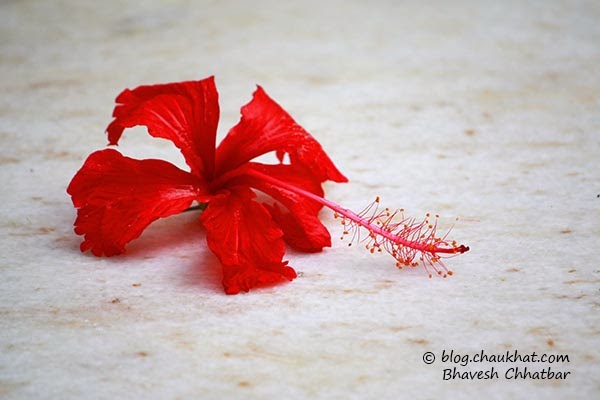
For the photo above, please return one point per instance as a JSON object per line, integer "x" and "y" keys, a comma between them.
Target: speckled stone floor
{"x": 485, "y": 112}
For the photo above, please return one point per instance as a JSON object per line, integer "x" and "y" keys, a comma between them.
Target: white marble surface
{"x": 483, "y": 111}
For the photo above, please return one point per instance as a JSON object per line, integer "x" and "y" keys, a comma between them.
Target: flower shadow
{"x": 181, "y": 241}
{"x": 171, "y": 235}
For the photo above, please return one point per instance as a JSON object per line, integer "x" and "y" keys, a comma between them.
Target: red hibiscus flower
{"x": 117, "y": 197}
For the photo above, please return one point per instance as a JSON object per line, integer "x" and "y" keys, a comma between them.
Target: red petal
{"x": 118, "y": 197}
{"x": 266, "y": 127}
{"x": 304, "y": 233}
{"x": 242, "y": 234}
{"x": 301, "y": 225}
{"x": 187, "y": 113}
